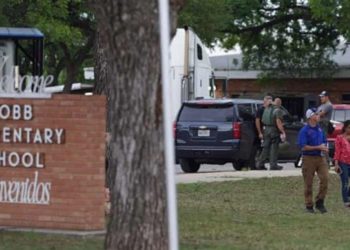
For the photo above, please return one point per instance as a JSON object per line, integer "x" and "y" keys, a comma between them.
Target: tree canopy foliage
{"x": 68, "y": 26}
{"x": 284, "y": 38}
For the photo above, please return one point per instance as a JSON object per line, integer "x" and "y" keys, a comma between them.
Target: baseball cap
{"x": 310, "y": 112}
{"x": 323, "y": 93}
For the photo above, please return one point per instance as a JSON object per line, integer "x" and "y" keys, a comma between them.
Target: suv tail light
{"x": 236, "y": 129}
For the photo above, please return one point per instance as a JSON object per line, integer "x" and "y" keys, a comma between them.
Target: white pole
{"x": 169, "y": 141}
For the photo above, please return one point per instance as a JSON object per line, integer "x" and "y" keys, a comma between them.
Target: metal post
{"x": 169, "y": 145}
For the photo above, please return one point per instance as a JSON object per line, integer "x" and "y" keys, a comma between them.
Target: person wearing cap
{"x": 325, "y": 111}
{"x": 312, "y": 142}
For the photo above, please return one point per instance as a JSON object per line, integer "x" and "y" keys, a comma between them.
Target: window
{"x": 246, "y": 111}
{"x": 339, "y": 115}
{"x": 346, "y": 98}
{"x": 206, "y": 113}
{"x": 199, "y": 52}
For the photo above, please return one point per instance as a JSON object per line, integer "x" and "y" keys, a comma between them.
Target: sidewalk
{"x": 233, "y": 176}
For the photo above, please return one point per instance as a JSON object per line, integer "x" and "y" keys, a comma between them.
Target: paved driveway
{"x": 209, "y": 173}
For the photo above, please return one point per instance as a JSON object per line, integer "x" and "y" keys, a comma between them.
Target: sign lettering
{"x": 27, "y": 86}
{"x": 30, "y": 191}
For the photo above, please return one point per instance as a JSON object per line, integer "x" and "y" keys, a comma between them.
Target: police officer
{"x": 258, "y": 117}
{"x": 273, "y": 132}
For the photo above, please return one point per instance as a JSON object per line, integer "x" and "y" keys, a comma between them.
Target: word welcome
{"x": 29, "y": 191}
{"x": 27, "y": 86}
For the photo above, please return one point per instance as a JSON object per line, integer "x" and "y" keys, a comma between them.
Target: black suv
{"x": 220, "y": 131}
{"x": 216, "y": 132}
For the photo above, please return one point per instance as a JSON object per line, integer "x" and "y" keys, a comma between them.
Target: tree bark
{"x": 129, "y": 30}
{"x": 102, "y": 85}
{"x": 72, "y": 73}
{"x": 101, "y": 68}
{"x": 129, "y": 34}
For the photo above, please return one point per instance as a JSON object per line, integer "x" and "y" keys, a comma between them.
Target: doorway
{"x": 295, "y": 105}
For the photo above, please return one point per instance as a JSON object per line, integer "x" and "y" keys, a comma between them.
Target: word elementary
{"x": 26, "y": 134}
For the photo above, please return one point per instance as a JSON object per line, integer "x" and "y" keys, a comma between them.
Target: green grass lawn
{"x": 250, "y": 214}
{"x": 38, "y": 241}
{"x": 260, "y": 214}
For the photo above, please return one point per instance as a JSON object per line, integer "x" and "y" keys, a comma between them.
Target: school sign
{"x": 52, "y": 161}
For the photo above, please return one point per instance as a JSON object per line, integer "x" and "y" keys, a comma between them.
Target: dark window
{"x": 206, "y": 113}
{"x": 199, "y": 52}
{"x": 246, "y": 111}
{"x": 346, "y": 98}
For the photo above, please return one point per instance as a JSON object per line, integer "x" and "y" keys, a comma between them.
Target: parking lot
{"x": 209, "y": 173}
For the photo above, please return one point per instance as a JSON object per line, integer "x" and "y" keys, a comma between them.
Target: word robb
{"x": 16, "y": 112}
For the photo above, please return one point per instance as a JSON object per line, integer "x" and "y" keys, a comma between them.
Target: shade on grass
{"x": 250, "y": 214}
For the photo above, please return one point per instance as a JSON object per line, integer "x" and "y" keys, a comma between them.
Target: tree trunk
{"x": 101, "y": 67}
{"x": 130, "y": 29}
{"x": 72, "y": 74}
{"x": 101, "y": 72}
{"x": 129, "y": 32}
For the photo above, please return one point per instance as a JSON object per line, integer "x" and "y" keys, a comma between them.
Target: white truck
{"x": 191, "y": 72}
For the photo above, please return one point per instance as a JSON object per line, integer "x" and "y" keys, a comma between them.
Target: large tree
{"x": 129, "y": 48}
{"x": 335, "y": 12}
{"x": 284, "y": 38}
{"x": 69, "y": 30}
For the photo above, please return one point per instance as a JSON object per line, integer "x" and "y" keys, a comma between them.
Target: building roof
{"x": 230, "y": 66}
{"x": 20, "y": 33}
{"x": 75, "y": 86}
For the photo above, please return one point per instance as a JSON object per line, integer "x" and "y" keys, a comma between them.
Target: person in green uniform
{"x": 273, "y": 132}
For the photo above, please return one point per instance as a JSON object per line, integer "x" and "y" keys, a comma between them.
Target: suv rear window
{"x": 341, "y": 115}
{"x": 246, "y": 111}
{"x": 206, "y": 113}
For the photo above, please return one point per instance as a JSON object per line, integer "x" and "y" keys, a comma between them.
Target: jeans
{"x": 344, "y": 177}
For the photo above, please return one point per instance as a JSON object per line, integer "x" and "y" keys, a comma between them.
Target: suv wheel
{"x": 189, "y": 166}
{"x": 238, "y": 165}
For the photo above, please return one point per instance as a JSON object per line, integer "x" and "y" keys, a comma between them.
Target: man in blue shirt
{"x": 312, "y": 142}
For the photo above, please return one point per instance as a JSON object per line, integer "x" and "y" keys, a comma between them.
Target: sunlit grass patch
{"x": 263, "y": 213}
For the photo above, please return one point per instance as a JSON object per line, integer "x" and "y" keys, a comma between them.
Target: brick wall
{"x": 285, "y": 87}
{"x": 73, "y": 172}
